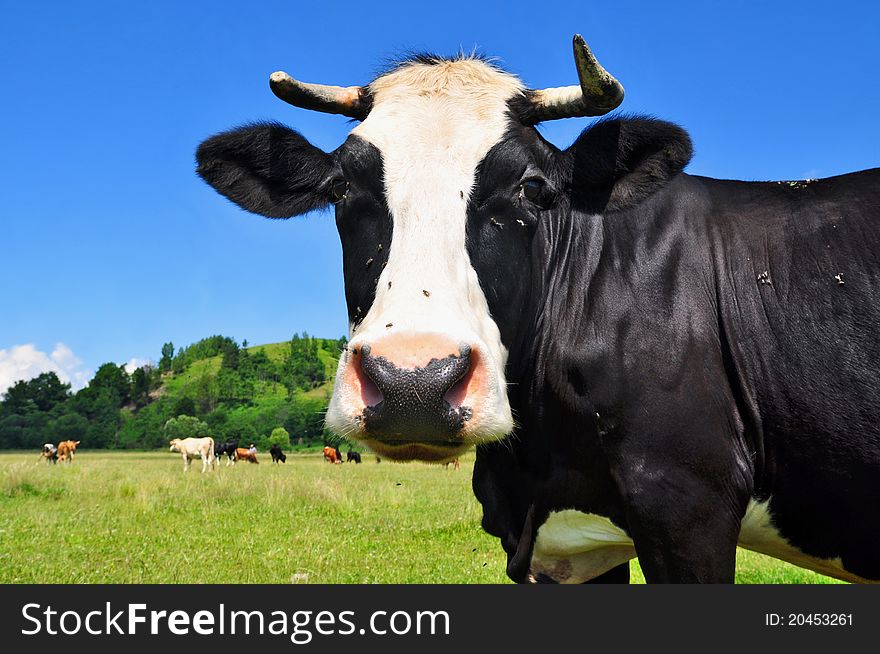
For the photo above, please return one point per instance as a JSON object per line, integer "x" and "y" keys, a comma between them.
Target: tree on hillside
{"x": 104, "y": 417}
{"x": 41, "y": 393}
{"x": 145, "y": 428}
{"x": 305, "y": 421}
{"x": 113, "y": 377}
{"x": 302, "y": 368}
{"x": 141, "y": 385}
{"x": 234, "y": 388}
{"x": 184, "y": 405}
{"x": 203, "y": 349}
{"x": 167, "y": 357}
{"x": 206, "y": 392}
{"x": 230, "y": 352}
{"x": 262, "y": 366}
{"x": 68, "y": 427}
{"x": 185, "y": 427}
{"x": 28, "y": 430}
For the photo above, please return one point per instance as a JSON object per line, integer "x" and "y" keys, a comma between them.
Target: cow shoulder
{"x": 618, "y": 163}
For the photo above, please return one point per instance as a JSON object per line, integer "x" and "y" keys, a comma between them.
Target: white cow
{"x": 192, "y": 448}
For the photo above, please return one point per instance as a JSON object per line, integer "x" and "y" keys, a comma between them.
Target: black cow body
{"x": 277, "y": 454}
{"x": 692, "y": 363}
{"x": 228, "y": 448}
{"x": 724, "y": 354}
{"x": 351, "y": 455}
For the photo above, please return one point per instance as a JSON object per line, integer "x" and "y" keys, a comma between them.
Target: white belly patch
{"x": 759, "y": 535}
{"x": 572, "y": 547}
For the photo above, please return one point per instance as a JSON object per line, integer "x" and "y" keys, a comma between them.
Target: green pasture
{"x": 126, "y": 517}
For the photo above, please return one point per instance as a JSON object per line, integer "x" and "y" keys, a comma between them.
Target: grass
{"x": 114, "y": 517}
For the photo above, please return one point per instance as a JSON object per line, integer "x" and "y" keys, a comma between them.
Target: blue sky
{"x": 110, "y": 245}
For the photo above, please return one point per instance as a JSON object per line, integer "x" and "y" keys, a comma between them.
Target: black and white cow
{"x": 228, "y": 448}
{"x": 650, "y": 364}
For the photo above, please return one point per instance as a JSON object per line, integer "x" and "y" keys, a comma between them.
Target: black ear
{"x": 617, "y": 163}
{"x": 266, "y": 168}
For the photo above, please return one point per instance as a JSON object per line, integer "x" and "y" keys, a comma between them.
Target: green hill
{"x": 242, "y": 393}
{"x": 226, "y": 389}
{"x": 181, "y": 383}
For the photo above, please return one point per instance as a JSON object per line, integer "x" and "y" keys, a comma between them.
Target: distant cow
{"x": 244, "y": 454}
{"x": 66, "y": 450}
{"x": 277, "y": 454}
{"x": 455, "y": 463}
{"x": 351, "y": 455}
{"x": 228, "y": 448}
{"x": 49, "y": 452}
{"x": 193, "y": 448}
{"x": 330, "y": 455}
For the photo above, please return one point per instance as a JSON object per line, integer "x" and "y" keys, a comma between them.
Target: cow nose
{"x": 416, "y": 403}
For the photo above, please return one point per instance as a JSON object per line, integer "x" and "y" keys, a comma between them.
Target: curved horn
{"x": 351, "y": 101}
{"x": 597, "y": 94}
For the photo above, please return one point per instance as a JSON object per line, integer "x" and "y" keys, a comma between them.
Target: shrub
{"x": 279, "y": 436}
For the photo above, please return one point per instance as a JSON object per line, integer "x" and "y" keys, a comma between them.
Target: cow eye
{"x": 338, "y": 190}
{"x": 530, "y": 189}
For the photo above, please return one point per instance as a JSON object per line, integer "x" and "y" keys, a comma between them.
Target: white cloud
{"x": 136, "y": 362}
{"x": 26, "y": 362}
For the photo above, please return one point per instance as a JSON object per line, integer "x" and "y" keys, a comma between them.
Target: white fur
{"x": 573, "y": 547}
{"x": 194, "y": 448}
{"x": 760, "y": 535}
{"x": 433, "y": 125}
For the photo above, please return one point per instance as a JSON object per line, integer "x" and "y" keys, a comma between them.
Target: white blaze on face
{"x": 433, "y": 124}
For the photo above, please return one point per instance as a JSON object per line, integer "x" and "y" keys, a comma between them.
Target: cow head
{"x": 175, "y": 445}
{"x": 438, "y": 193}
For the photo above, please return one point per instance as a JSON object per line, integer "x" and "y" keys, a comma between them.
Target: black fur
{"x": 364, "y": 224}
{"x": 656, "y": 380}
{"x": 277, "y": 454}
{"x": 268, "y": 169}
{"x": 617, "y": 163}
{"x": 227, "y": 447}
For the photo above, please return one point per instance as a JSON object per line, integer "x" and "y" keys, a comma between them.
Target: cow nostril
{"x": 370, "y": 393}
{"x": 456, "y": 395}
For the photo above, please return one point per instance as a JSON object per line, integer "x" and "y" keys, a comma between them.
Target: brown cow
{"x": 66, "y": 450}
{"x": 330, "y": 455}
{"x": 244, "y": 454}
{"x": 456, "y": 464}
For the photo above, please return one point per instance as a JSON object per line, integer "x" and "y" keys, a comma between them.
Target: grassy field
{"x": 136, "y": 518}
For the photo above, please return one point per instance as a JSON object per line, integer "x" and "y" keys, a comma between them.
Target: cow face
{"x": 437, "y": 194}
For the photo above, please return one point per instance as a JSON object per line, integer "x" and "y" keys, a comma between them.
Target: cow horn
{"x": 597, "y": 94}
{"x": 351, "y": 101}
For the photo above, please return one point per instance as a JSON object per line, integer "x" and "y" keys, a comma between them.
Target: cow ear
{"x": 618, "y": 163}
{"x": 266, "y": 168}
